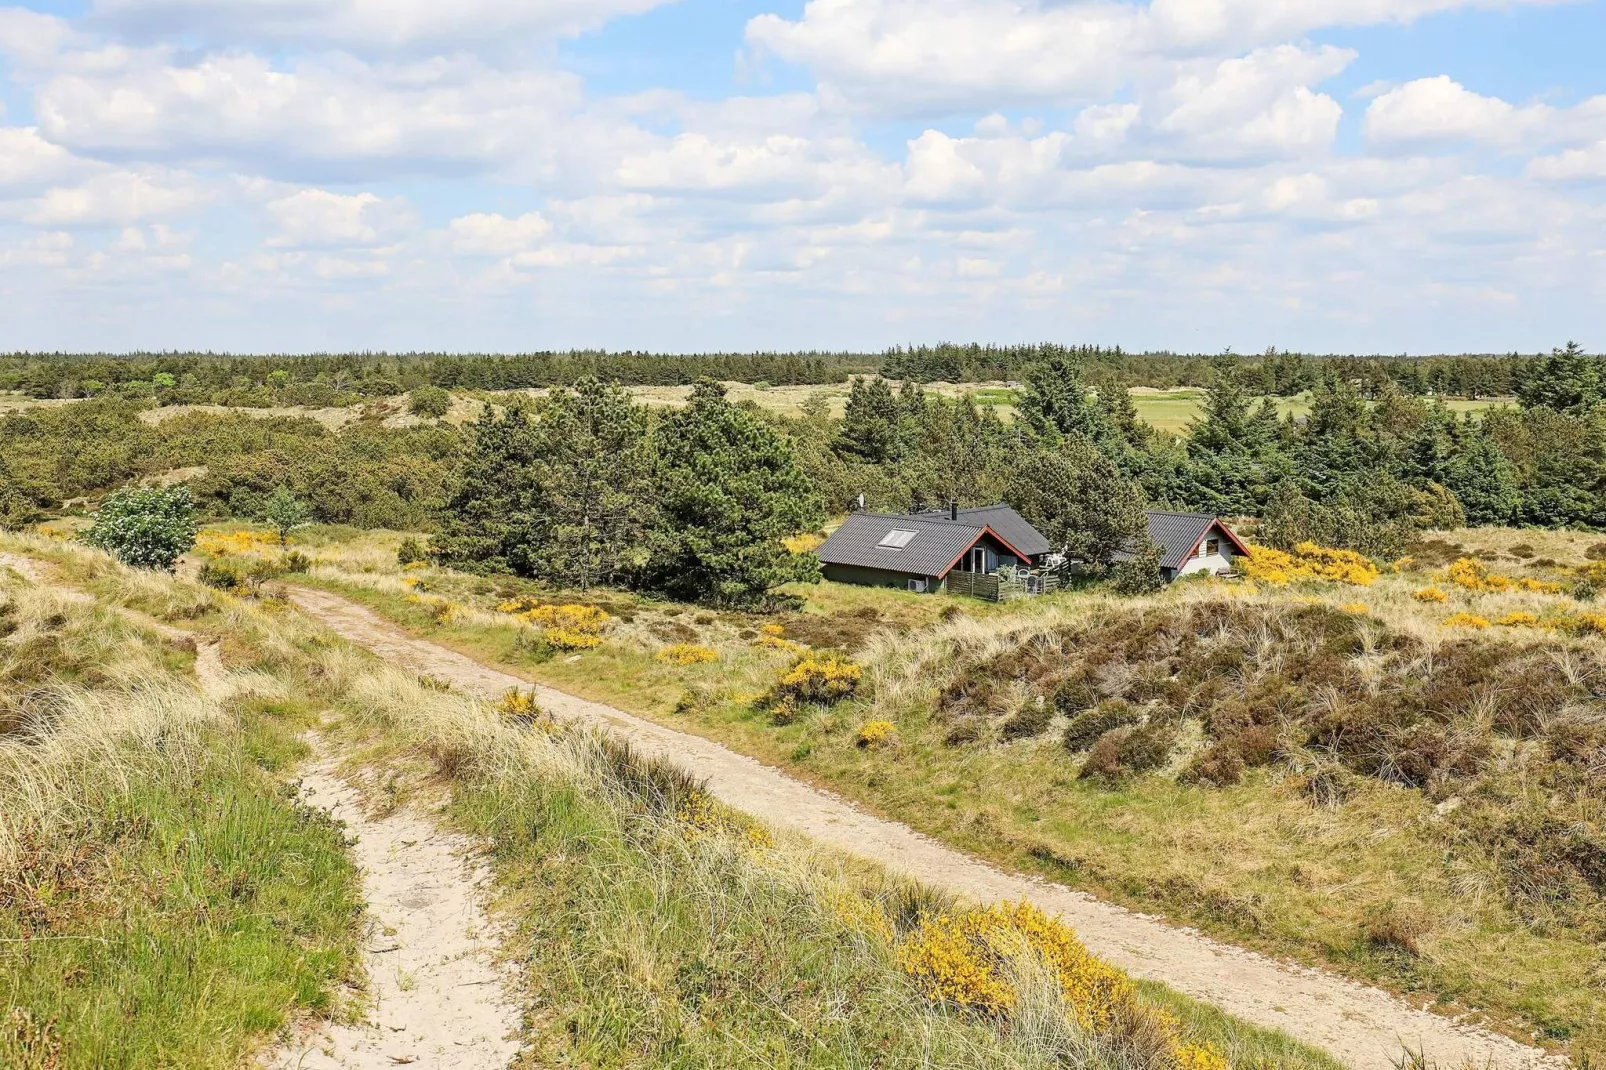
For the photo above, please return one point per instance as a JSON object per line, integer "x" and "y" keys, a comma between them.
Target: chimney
{"x": 953, "y": 510}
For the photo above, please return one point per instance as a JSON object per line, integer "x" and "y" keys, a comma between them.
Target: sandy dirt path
{"x": 440, "y": 1000}
{"x": 1361, "y": 1025}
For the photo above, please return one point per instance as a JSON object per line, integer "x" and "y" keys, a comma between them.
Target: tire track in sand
{"x": 1358, "y": 1024}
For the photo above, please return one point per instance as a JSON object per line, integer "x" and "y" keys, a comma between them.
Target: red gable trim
{"x": 984, "y": 532}
{"x": 1215, "y": 525}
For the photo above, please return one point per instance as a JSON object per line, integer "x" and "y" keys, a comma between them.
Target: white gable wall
{"x": 1210, "y": 563}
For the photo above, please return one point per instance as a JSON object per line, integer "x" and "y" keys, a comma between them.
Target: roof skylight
{"x": 897, "y": 539}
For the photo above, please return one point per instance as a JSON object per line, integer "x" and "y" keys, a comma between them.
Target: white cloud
{"x": 1439, "y": 109}
{"x": 28, "y": 162}
{"x": 328, "y": 116}
{"x": 926, "y": 55}
{"x": 1255, "y": 104}
{"x": 319, "y": 219}
{"x": 488, "y": 234}
{"x": 119, "y": 198}
{"x": 366, "y": 24}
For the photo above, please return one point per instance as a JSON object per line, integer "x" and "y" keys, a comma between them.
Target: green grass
{"x": 168, "y": 902}
{"x": 1253, "y": 863}
{"x": 180, "y": 926}
{"x": 1172, "y": 411}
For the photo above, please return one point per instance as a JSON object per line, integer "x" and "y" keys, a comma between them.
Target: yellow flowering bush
{"x": 570, "y": 627}
{"x": 859, "y": 912}
{"x": 1200, "y": 1057}
{"x": 1519, "y": 619}
{"x": 963, "y": 959}
{"x": 518, "y": 705}
{"x": 687, "y": 654}
{"x": 1431, "y": 594}
{"x": 1465, "y": 620}
{"x": 820, "y": 678}
{"x": 1475, "y": 576}
{"x": 239, "y": 543}
{"x": 876, "y": 733}
{"x": 773, "y": 631}
{"x": 1359, "y": 609}
{"x": 1309, "y": 562}
{"x": 700, "y": 816}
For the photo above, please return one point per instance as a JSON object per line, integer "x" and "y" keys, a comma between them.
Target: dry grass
{"x": 162, "y": 900}
{"x": 1301, "y": 852}
{"x": 657, "y": 926}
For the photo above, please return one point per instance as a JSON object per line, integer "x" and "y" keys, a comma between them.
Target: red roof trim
{"x": 985, "y": 531}
{"x": 1225, "y": 530}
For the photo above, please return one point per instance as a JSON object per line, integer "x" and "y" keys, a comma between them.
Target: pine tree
{"x": 595, "y": 467}
{"x": 1080, "y": 501}
{"x": 494, "y": 516}
{"x": 729, "y": 492}
{"x": 1483, "y": 481}
{"x": 872, "y": 423}
{"x": 1569, "y": 380}
{"x": 1234, "y": 451}
{"x": 1056, "y": 402}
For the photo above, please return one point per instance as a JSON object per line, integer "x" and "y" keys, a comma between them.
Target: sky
{"x": 1390, "y": 176}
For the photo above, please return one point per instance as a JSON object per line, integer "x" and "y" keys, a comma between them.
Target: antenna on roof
{"x": 860, "y": 503}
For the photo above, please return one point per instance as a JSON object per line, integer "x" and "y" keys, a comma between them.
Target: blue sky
{"x": 1326, "y": 175}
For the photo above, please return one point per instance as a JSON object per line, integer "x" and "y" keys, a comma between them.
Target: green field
{"x": 1172, "y": 411}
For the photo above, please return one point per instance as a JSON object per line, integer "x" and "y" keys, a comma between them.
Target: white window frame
{"x": 897, "y": 539}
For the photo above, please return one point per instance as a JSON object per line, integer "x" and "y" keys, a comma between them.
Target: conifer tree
{"x": 872, "y": 423}
{"x": 1569, "y": 380}
{"x": 1056, "y": 402}
{"x": 595, "y": 467}
{"x": 1080, "y": 501}
{"x": 729, "y": 492}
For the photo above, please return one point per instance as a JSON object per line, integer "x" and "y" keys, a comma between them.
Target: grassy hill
{"x": 165, "y": 900}
{"x": 1399, "y": 780}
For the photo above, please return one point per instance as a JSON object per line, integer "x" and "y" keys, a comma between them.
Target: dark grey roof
{"x": 1177, "y": 534}
{"x": 936, "y": 545}
{"x": 1006, "y": 524}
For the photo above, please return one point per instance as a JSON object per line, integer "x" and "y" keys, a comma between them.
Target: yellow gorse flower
{"x": 963, "y": 959}
{"x": 1309, "y": 562}
{"x": 237, "y": 543}
{"x": 1475, "y": 576}
{"x": 1465, "y": 620}
{"x": 876, "y": 733}
{"x": 821, "y": 678}
{"x": 570, "y": 627}
{"x": 1519, "y": 619}
{"x": 687, "y": 654}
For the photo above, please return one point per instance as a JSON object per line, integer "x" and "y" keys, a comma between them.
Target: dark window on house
{"x": 1212, "y": 547}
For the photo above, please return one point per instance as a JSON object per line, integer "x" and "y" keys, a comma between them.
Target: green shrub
{"x": 1140, "y": 575}
{"x": 146, "y": 528}
{"x": 1086, "y": 728}
{"x": 429, "y": 401}
{"x": 411, "y": 552}
{"x": 1128, "y": 751}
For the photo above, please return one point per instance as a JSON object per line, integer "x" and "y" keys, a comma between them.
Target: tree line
{"x": 586, "y": 486}
{"x": 348, "y": 379}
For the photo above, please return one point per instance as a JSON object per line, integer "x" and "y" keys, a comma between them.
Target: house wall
{"x": 996, "y": 556}
{"x": 871, "y": 577}
{"x": 1212, "y": 563}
